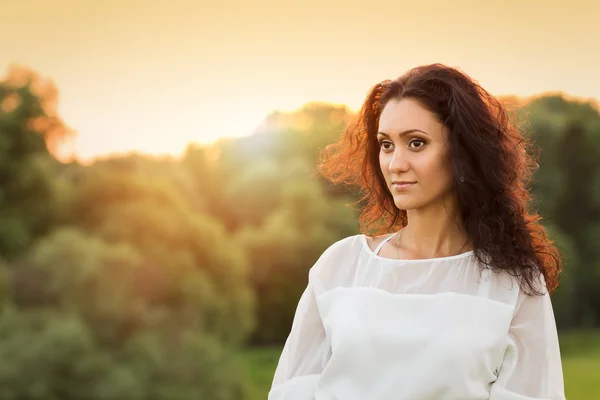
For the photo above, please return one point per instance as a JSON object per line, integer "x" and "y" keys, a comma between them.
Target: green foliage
{"x": 581, "y": 363}
{"x": 568, "y": 133}
{"x": 32, "y": 190}
{"x": 116, "y": 283}
{"x": 186, "y": 253}
{"x": 281, "y": 252}
{"x": 259, "y": 365}
{"x": 565, "y": 302}
{"x": 285, "y": 245}
{"x": 50, "y": 355}
{"x": 138, "y": 331}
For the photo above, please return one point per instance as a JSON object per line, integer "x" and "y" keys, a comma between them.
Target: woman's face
{"x": 414, "y": 155}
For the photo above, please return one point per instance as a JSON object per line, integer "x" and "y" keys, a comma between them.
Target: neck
{"x": 435, "y": 232}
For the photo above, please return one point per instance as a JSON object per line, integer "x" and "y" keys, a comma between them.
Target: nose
{"x": 398, "y": 162}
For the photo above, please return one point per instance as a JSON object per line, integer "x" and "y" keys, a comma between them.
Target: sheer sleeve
{"x": 306, "y": 350}
{"x": 531, "y": 367}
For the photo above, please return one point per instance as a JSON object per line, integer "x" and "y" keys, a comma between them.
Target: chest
{"x": 453, "y": 337}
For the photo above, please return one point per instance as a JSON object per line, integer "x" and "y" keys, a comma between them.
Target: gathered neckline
{"x": 415, "y": 260}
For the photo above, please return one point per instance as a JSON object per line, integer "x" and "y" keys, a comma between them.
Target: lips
{"x": 401, "y": 185}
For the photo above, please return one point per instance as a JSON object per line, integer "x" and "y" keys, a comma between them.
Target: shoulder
{"x": 510, "y": 288}
{"x": 345, "y": 245}
{"x": 339, "y": 253}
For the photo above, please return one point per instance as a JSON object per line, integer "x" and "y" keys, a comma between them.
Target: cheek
{"x": 445, "y": 175}
{"x": 437, "y": 171}
{"x": 384, "y": 164}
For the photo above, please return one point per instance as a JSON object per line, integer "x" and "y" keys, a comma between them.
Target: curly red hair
{"x": 490, "y": 153}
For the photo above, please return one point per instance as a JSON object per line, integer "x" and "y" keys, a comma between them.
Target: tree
{"x": 98, "y": 320}
{"x": 285, "y": 246}
{"x": 155, "y": 218}
{"x": 568, "y": 133}
{"x": 33, "y": 193}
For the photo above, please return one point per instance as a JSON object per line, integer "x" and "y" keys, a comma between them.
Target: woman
{"x": 452, "y": 301}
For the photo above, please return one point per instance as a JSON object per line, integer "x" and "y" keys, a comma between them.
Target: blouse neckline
{"x": 415, "y": 260}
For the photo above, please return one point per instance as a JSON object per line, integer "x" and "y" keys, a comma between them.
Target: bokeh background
{"x": 159, "y": 209}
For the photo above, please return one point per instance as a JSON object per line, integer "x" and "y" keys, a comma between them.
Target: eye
{"x": 416, "y": 143}
{"x": 386, "y": 145}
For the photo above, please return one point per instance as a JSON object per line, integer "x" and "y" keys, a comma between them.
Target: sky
{"x": 152, "y": 76}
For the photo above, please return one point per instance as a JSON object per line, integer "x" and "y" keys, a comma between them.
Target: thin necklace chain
{"x": 400, "y": 236}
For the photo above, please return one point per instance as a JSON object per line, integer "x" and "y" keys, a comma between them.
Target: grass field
{"x": 580, "y": 352}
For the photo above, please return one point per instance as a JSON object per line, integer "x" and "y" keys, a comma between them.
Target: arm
{"x": 531, "y": 367}
{"x": 305, "y": 352}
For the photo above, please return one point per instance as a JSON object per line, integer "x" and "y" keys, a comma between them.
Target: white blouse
{"x": 374, "y": 328}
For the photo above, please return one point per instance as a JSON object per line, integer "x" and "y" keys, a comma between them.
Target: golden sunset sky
{"x": 152, "y": 75}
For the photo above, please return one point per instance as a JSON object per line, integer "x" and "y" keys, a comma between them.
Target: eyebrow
{"x": 404, "y": 132}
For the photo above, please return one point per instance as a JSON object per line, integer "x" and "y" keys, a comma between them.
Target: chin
{"x": 406, "y": 205}
{"x": 412, "y": 202}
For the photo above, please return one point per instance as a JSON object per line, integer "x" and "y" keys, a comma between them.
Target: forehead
{"x": 404, "y": 114}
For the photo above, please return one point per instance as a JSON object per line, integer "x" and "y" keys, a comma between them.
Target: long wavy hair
{"x": 492, "y": 162}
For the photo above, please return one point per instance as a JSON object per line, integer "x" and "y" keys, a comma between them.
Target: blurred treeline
{"x": 140, "y": 278}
